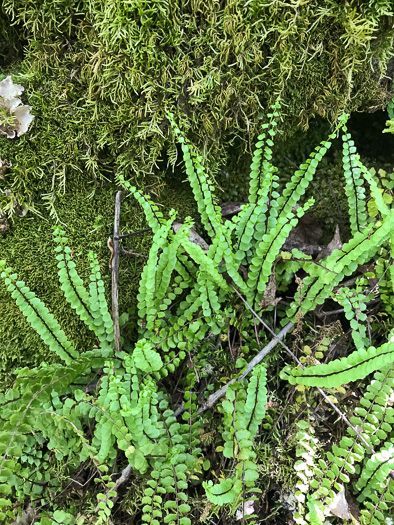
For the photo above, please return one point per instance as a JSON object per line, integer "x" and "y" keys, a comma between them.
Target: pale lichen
{"x": 15, "y": 117}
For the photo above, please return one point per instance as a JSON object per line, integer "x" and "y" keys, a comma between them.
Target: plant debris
{"x": 4, "y": 166}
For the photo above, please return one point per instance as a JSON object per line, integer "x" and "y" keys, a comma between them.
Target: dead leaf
{"x": 269, "y": 298}
{"x": 339, "y": 506}
{"x": 335, "y": 244}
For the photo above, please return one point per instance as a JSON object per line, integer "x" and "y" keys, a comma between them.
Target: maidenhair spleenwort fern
{"x": 100, "y": 406}
{"x": 243, "y": 412}
{"x": 366, "y": 457}
{"x": 254, "y": 239}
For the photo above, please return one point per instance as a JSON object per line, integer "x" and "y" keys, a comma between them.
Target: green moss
{"x": 88, "y": 220}
{"x": 102, "y": 75}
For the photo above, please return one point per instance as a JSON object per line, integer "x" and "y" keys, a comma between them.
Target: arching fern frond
{"x": 261, "y": 168}
{"x": 201, "y": 185}
{"x": 354, "y": 188}
{"x": 356, "y": 366}
{"x": 154, "y": 217}
{"x": 38, "y": 316}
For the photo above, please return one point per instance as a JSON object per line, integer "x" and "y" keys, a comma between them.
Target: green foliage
{"x": 243, "y": 414}
{"x": 305, "y": 467}
{"x": 321, "y": 479}
{"x": 355, "y": 190}
{"x": 185, "y": 298}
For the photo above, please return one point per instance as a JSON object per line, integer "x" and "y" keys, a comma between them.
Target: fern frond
{"x": 376, "y": 485}
{"x": 356, "y": 366}
{"x": 267, "y": 250}
{"x": 354, "y": 189}
{"x": 375, "y": 191}
{"x": 360, "y": 249}
{"x": 253, "y": 219}
{"x": 305, "y": 467}
{"x": 38, "y": 316}
{"x": 72, "y": 285}
{"x": 243, "y": 413}
{"x": 261, "y": 168}
{"x": 153, "y": 216}
{"x": 205, "y": 263}
{"x": 148, "y": 285}
{"x": 98, "y": 305}
{"x": 301, "y": 179}
{"x": 354, "y": 305}
{"x": 201, "y": 185}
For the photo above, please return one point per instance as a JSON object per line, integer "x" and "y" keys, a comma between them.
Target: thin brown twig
{"x": 123, "y": 251}
{"x": 125, "y": 235}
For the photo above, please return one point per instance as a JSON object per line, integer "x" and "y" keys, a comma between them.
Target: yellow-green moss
{"x": 88, "y": 221}
{"x": 102, "y": 75}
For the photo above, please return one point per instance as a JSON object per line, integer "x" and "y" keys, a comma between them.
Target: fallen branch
{"x": 115, "y": 273}
{"x": 213, "y": 398}
{"x": 326, "y": 398}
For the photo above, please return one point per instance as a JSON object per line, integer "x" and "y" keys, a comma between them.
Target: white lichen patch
{"x": 15, "y": 117}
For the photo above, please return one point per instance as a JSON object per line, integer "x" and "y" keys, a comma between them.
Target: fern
{"x": 374, "y": 420}
{"x": 185, "y": 298}
{"x": 38, "y": 316}
{"x": 354, "y": 189}
{"x": 243, "y": 413}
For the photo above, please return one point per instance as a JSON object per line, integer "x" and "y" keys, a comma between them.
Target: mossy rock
{"x": 101, "y": 76}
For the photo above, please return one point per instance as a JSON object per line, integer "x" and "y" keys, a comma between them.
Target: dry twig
{"x": 115, "y": 273}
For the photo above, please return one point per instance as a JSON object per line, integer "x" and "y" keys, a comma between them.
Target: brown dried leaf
{"x": 335, "y": 244}
{"x": 269, "y": 298}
